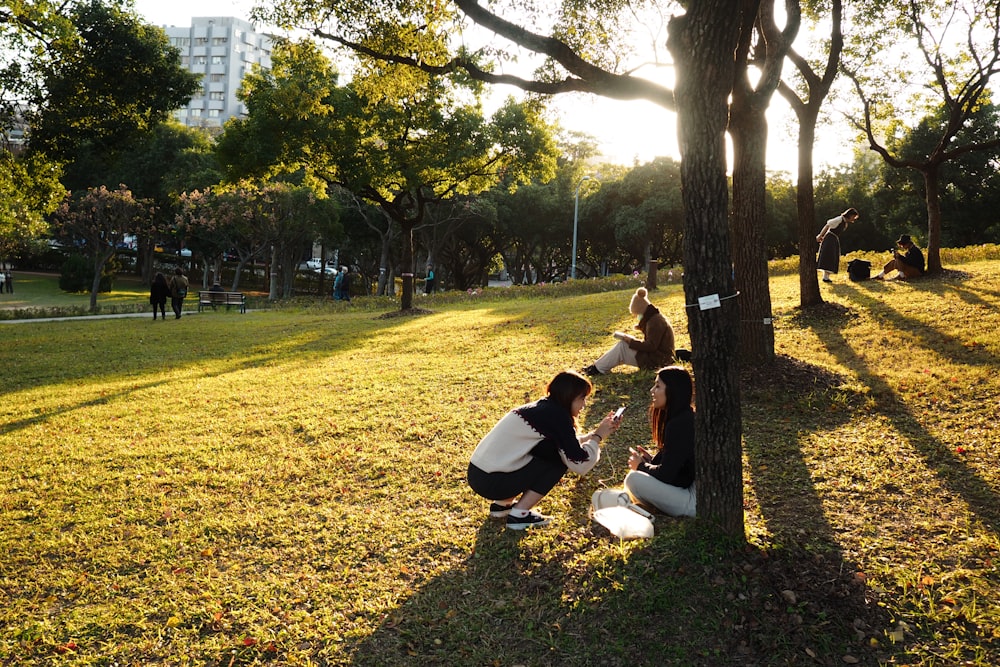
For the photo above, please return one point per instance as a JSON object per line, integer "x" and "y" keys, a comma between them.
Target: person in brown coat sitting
{"x": 654, "y": 350}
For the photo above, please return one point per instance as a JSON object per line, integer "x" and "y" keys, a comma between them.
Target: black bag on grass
{"x": 859, "y": 269}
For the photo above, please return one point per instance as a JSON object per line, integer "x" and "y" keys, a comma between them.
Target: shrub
{"x": 77, "y": 275}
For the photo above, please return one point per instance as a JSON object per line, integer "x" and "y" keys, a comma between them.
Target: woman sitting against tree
{"x": 665, "y": 480}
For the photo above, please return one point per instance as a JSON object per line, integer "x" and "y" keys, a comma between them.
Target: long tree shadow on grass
{"x": 958, "y": 478}
{"x": 572, "y": 594}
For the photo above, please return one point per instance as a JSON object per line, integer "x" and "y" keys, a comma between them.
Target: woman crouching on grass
{"x": 532, "y": 447}
{"x": 666, "y": 480}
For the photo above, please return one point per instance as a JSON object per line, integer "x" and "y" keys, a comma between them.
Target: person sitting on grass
{"x": 665, "y": 480}
{"x": 529, "y": 450}
{"x": 653, "y": 350}
{"x": 908, "y": 261}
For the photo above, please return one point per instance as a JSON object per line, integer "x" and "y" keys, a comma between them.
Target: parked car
{"x": 315, "y": 265}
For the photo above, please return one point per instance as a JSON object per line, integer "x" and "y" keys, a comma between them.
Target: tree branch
{"x": 585, "y": 77}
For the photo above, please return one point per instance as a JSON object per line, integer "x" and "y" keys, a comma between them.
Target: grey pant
{"x": 673, "y": 500}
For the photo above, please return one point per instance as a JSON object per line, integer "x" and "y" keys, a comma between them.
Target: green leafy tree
{"x": 958, "y": 53}
{"x": 274, "y": 218}
{"x": 969, "y": 195}
{"x": 400, "y": 140}
{"x": 163, "y": 163}
{"x": 225, "y": 219}
{"x": 27, "y": 30}
{"x": 97, "y": 222}
{"x": 29, "y": 190}
{"x": 531, "y": 230}
{"x": 642, "y": 213}
{"x": 458, "y": 240}
{"x": 102, "y": 87}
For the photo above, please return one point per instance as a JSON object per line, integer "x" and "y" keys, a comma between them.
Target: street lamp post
{"x": 576, "y": 215}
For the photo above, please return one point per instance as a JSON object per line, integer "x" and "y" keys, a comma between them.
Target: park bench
{"x": 209, "y": 299}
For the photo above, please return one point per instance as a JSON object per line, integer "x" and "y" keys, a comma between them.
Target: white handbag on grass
{"x": 614, "y": 509}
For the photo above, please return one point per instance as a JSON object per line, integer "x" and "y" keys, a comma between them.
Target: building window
{"x": 217, "y": 95}
{"x": 214, "y": 113}
{"x": 182, "y": 41}
{"x": 195, "y": 113}
{"x": 216, "y": 78}
{"x": 219, "y": 41}
{"x": 218, "y": 60}
{"x": 200, "y": 60}
{"x": 200, "y": 41}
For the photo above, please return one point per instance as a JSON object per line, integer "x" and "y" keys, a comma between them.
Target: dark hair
{"x": 566, "y": 387}
{"x": 159, "y": 278}
{"x": 178, "y": 271}
{"x": 680, "y": 394}
{"x": 853, "y": 212}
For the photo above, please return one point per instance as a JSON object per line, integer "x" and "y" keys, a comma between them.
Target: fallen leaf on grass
{"x": 68, "y": 646}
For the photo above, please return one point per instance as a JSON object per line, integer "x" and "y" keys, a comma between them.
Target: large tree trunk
{"x": 382, "y": 288}
{"x": 933, "y": 194}
{"x": 406, "y": 300}
{"x": 805, "y": 203}
{"x": 748, "y": 129}
{"x": 99, "y": 262}
{"x": 703, "y": 42}
{"x": 272, "y": 292}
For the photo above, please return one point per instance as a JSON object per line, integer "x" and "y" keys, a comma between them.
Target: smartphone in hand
{"x": 618, "y": 413}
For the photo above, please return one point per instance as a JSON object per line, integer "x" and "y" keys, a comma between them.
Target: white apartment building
{"x": 222, "y": 49}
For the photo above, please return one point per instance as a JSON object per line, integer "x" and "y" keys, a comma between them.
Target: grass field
{"x": 287, "y": 487}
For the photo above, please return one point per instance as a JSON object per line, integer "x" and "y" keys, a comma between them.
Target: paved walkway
{"x": 110, "y": 316}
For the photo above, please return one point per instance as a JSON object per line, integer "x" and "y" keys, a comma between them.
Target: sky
{"x": 626, "y": 131}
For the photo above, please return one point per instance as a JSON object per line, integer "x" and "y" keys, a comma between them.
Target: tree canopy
{"x": 102, "y": 86}
{"x": 393, "y": 137}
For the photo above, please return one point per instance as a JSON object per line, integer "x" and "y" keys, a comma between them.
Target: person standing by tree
{"x": 345, "y": 284}
{"x": 908, "y": 261}
{"x": 178, "y": 290}
{"x": 429, "y": 282}
{"x": 829, "y": 243}
{"x": 158, "y": 291}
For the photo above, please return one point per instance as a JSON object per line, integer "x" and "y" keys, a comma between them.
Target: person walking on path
{"x": 828, "y": 260}
{"x": 9, "y": 281}
{"x": 158, "y": 291}
{"x": 345, "y": 284}
{"x": 178, "y": 290}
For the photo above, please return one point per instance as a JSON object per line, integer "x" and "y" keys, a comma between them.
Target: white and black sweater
{"x": 543, "y": 429}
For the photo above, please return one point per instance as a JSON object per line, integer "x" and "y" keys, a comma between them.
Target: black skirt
{"x": 829, "y": 253}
